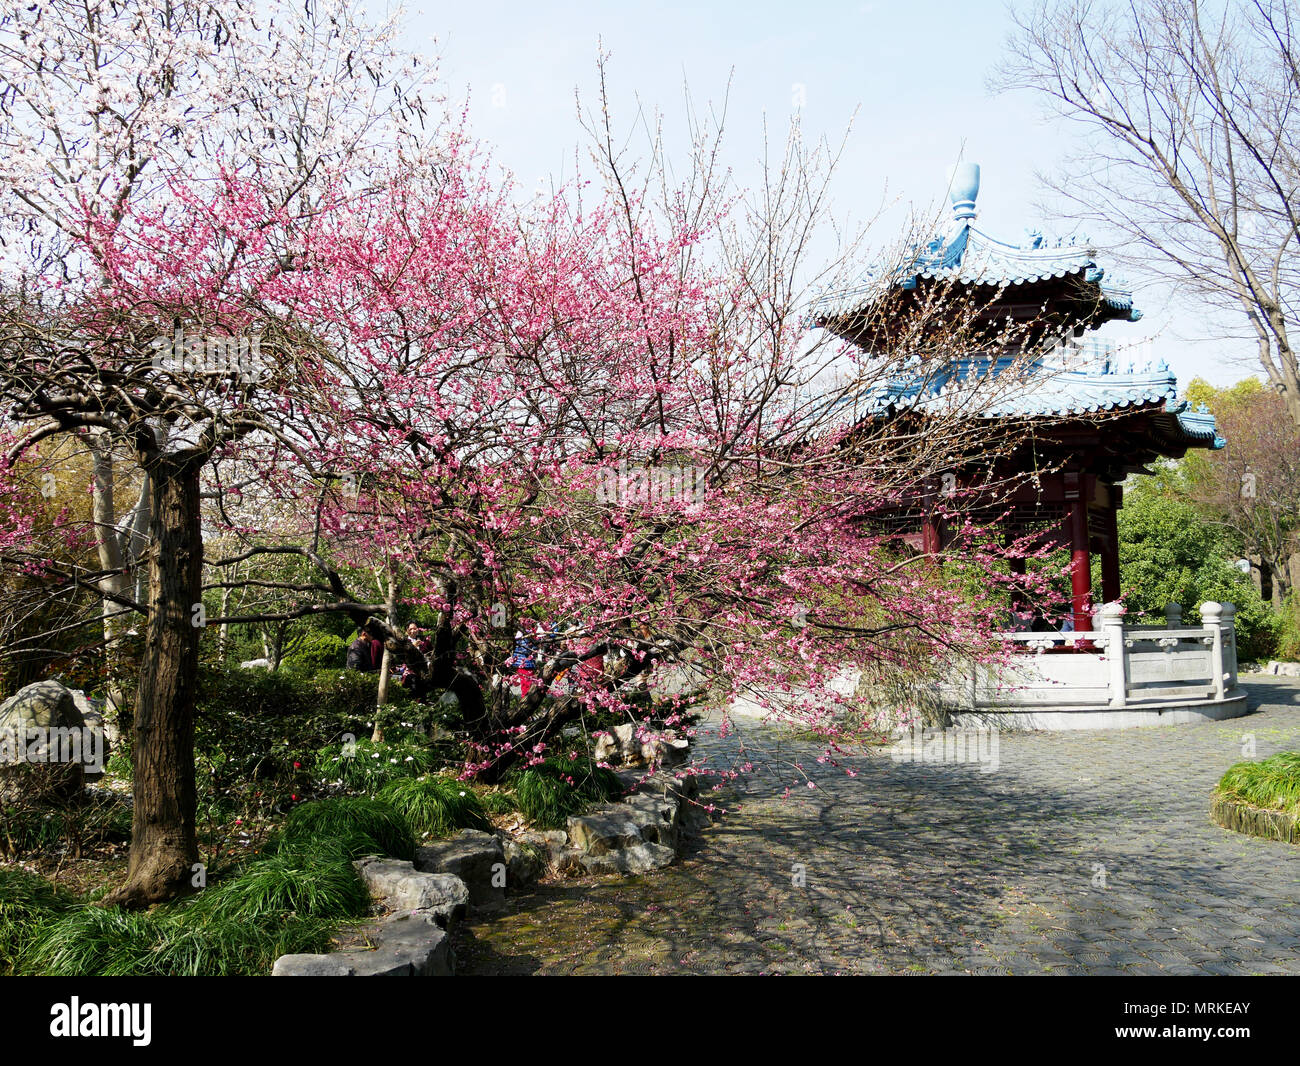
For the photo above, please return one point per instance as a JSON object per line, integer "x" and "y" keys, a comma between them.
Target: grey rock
{"x": 403, "y": 945}
{"x": 310, "y": 966}
{"x": 566, "y": 862}
{"x": 605, "y": 829}
{"x": 525, "y": 862}
{"x": 636, "y": 859}
{"x": 477, "y": 858}
{"x": 665, "y": 751}
{"x": 656, "y": 817}
{"x": 43, "y": 706}
{"x": 398, "y": 886}
{"x": 606, "y": 750}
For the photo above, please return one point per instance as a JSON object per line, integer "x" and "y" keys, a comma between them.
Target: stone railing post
{"x": 1212, "y": 622}
{"x": 1173, "y": 615}
{"x": 1112, "y": 628}
{"x": 1228, "y": 623}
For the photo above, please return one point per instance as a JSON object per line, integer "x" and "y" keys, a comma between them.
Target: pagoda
{"x": 1084, "y": 418}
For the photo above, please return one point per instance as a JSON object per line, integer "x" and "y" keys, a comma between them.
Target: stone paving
{"x": 1081, "y": 853}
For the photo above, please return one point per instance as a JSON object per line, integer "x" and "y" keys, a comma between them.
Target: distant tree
{"x": 1169, "y": 553}
{"x": 1252, "y": 487}
{"x": 1195, "y": 108}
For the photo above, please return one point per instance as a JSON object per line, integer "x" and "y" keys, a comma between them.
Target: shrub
{"x": 1288, "y": 638}
{"x": 437, "y": 805}
{"x": 361, "y": 825}
{"x": 252, "y": 726}
{"x": 316, "y": 651}
{"x": 83, "y": 820}
{"x": 496, "y": 801}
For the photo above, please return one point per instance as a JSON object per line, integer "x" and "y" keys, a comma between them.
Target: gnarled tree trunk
{"x": 163, "y": 844}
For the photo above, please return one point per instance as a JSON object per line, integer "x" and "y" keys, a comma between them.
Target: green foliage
{"x": 362, "y": 826}
{"x": 316, "y": 651}
{"x": 1170, "y": 554}
{"x": 551, "y": 791}
{"x": 28, "y": 902}
{"x": 1288, "y": 637}
{"x": 1273, "y": 784}
{"x": 367, "y": 766}
{"x": 252, "y": 726}
{"x": 437, "y": 805}
{"x": 285, "y": 901}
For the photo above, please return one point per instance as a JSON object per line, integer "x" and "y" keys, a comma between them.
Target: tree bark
{"x": 163, "y": 844}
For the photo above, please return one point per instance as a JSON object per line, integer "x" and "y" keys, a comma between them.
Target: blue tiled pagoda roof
{"x": 1070, "y": 381}
{"x": 963, "y": 253}
{"x": 971, "y": 256}
{"x": 1097, "y": 384}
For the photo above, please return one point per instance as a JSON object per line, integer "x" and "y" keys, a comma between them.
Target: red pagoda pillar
{"x": 1080, "y": 565}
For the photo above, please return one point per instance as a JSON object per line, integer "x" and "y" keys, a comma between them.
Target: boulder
{"x": 656, "y": 818}
{"x": 605, "y": 829}
{"x": 525, "y": 861}
{"x": 635, "y": 859}
{"x": 26, "y": 721}
{"x": 666, "y": 750}
{"x": 606, "y": 750}
{"x": 399, "y": 886}
{"x": 623, "y": 747}
{"x": 477, "y": 858}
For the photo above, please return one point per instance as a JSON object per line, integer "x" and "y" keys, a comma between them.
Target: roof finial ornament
{"x": 963, "y": 188}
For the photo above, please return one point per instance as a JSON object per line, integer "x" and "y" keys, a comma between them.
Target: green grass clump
{"x": 553, "y": 790}
{"x": 27, "y": 903}
{"x": 362, "y": 825}
{"x": 437, "y": 805}
{"x": 172, "y": 942}
{"x": 1272, "y": 784}
{"x": 497, "y": 801}
{"x": 316, "y": 881}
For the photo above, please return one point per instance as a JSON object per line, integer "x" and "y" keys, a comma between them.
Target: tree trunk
{"x": 163, "y": 844}
{"x": 386, "y": 666}
{"x": 115, "y": 581}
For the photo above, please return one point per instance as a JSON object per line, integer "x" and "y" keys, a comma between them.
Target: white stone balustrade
{"x": 1116, "y": 666}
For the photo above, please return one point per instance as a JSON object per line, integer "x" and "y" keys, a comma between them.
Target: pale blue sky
{"x": 915, "y": 72}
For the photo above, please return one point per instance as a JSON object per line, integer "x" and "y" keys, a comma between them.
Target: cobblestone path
{"x": 1088, "y": 852}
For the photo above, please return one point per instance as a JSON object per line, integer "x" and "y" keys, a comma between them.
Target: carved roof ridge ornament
{"x": 963, "y": 252}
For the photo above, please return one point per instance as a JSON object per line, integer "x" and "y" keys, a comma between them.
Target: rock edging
{"x": 410, "y": 941}
{"x": 1241, "y": 817}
